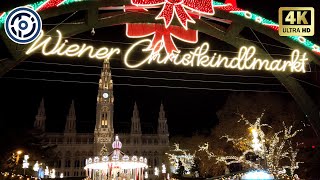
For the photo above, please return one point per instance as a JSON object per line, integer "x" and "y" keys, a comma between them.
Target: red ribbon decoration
{"x": 178, "y": 7}
{"x": 232, "y": 2}
{"x": 162, "y": 36}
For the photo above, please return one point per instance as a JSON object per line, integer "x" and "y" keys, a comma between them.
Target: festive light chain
{"x": 205, "y": 148}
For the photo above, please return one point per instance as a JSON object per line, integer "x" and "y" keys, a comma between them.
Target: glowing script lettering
{"x": 245, "y": 60}
{"x": 73, "y": 50}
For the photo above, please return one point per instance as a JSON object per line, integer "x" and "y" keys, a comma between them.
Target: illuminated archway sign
{"x": 198, "y": 57}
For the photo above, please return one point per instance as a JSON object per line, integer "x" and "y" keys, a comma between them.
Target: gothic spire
{"x": 70, "y": 126}
{"x": 135, "y": 120}
{"x": 162, "y": 121}
{"x": 40, "y": 121}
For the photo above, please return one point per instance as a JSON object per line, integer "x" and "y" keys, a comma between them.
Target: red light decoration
{"x": 318, "y": 52}
{"x": 274, "y": 27}
{"x": 232, "y": 2}
{"x": 50, "y": 4}
{"x": 178, "y": 7}
{"x": 313, "y": 147}
{"x": 162, "y": 35}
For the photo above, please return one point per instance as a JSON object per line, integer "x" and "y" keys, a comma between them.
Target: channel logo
{"x": 296, "y": 21}
{"x": 23, "y": 25}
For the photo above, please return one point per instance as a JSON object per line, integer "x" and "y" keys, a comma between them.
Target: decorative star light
{"x": 162, "y": 37}
{"x": 178, "y": 7}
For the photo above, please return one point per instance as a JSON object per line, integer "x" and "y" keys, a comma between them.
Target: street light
{"x": 25, "y": 164}
{"x": 19, "y": 152}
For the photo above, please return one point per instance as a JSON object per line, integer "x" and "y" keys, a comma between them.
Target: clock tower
{"x": 103, "y": 132}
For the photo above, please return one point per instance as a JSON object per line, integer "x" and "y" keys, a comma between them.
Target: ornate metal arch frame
{"x": 230, "y": 35}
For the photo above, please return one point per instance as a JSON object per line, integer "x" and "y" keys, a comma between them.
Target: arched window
{"x": 155, "y": 161}
{"x": 67, "y": 163}
{"x": 83, "y": 163}
{"x": 76, "y": 163}
{"x": 59, "y": 163}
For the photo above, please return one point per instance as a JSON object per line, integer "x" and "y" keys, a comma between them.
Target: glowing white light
{"x": 46, "y": 171}
{"x": 301, "y": 39}
{"x": 53, "y": 174}
{"x": 146, "y": 176}
{"x": 61, "y": 175}
{"x": 259, "y": 19}
{"x": 253, "y": 175}
{"x": 245, "y": 59}
{"x": 256, "y": 145}
{"x": 96, "y": 159}
{"x": 121, "y": 165}
{"x": 248, "y": 15}
{"x": 36, "y": 166}
{"x": 25, "y": 163}
{"x": 73, "y": 50}
{"x": 316, "y": 47}
{"x": 105, "y": 95}
{"x": 156, "y": 171}
{"x": 164, "y": 170}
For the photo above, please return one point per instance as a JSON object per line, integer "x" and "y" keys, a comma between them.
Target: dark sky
{"x": 188, "y": 111}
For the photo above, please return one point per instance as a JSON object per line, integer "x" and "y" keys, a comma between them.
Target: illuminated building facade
{"x": 73, "y": 148}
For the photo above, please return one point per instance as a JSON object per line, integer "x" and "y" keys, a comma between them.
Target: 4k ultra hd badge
{"x": 296, "y": 21}
{"x": 23, "y": 25}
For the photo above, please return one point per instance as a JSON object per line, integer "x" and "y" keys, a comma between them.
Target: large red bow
{"x": 178, "y": 7}
{"x": 162, "y": 36}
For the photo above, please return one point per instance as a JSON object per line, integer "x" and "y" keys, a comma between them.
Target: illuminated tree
{"x": 181, "y": 159}
{"x": 270, "y": 151}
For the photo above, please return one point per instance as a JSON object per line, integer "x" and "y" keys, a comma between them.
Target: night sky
{"x": 188, "y": 110}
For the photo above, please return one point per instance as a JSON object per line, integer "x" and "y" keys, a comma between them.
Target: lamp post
{"x": 19, "y": 152}
{"x": 25, "y": 164}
